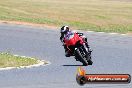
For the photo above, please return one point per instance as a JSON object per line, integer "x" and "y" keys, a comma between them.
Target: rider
{"x": 64, "y": 30}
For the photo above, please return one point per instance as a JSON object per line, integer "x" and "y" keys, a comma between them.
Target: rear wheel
{"x": 80, "y": 57}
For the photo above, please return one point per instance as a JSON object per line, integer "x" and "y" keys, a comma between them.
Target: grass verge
{"x": 9, "y": 60}
{"x": 93, "y": 15}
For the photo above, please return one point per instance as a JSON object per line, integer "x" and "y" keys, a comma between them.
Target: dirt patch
{"x": 30, "y": 24}
{"x": 121, "y": 0}
{"x": 129, "y": 33}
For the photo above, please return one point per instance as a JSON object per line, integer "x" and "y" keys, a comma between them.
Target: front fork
{"x": 86, "y": 46}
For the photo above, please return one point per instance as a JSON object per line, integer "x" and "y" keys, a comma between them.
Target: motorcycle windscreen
{"x": 71, "y": 39}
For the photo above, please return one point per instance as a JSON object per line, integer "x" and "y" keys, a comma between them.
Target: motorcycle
{"x": 77, "y": 47}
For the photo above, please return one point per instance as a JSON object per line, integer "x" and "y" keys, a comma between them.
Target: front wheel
{"x": 88, "y": 56}
{"x": 90, "y": 62}
{"x": 80, "y": 57}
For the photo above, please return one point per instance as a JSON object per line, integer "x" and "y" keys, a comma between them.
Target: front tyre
{"x": 90, "y": 62}
{"x": 80, "y": 57}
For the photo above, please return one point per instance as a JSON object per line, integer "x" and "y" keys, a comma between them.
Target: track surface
{"x": 111, "y": 54}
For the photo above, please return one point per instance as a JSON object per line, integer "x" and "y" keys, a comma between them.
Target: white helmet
{"x": 64, "y": 29}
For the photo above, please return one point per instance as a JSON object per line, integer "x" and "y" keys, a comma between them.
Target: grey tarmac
{"x": 111, "y": 54}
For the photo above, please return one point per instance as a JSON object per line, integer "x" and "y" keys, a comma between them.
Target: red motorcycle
{"x": 77, "y": 47}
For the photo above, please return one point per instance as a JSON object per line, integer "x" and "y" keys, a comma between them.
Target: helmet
{"x": 64, "y": 29}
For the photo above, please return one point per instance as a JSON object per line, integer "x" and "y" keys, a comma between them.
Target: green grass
{"x": 9, "y": 60}
{"x": 95, "y": 15}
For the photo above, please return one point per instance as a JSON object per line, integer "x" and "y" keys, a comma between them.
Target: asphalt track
{"x": 111, "y": 54}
